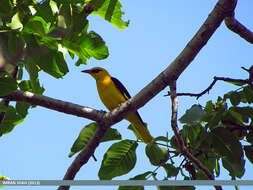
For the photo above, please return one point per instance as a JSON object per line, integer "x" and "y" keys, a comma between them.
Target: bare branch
{"x": 57, "y": 105}
{"x": 238, "y": 28}
{"x": 215, "y": 79}
{"x": 179, "y": 138}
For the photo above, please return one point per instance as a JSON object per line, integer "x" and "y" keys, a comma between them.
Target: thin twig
{"x": 179, "y": 138}
{"x": 215, "y": 79}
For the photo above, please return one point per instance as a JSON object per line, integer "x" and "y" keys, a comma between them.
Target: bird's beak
{"x": 87, "y": 71}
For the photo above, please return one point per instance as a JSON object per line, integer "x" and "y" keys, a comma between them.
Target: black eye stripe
{"x": 96, "y": 70}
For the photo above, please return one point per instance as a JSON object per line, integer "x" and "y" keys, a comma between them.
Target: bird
{"x": 113, "y": 93}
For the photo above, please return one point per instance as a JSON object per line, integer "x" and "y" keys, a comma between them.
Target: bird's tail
{"x": 140, "y": 127}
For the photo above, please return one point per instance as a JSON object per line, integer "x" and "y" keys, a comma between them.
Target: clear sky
{"x": 158, "y": 31}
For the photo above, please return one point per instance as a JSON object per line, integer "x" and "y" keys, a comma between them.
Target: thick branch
{"x": 179, "y": 138}
{"x": 238, "y": 28}
{"x": 56, "y": 105}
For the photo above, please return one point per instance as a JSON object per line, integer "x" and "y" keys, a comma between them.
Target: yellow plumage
{"x": 112, "y": 93}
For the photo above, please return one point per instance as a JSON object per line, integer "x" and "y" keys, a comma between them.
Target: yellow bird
{"x": 112, "y": 93}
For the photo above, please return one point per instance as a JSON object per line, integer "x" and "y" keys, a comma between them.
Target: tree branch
{"x": 57, "y": 105}
{"x": 215, "y": 79}
{"x": 179, "y": 138}
{"x": 238, "y": 28}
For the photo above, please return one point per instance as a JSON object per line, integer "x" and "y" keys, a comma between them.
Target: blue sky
{"x": 158, "y": 31}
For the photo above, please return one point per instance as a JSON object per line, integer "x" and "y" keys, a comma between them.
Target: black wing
{"x": 121, "y": 88}
{"x": 124, "y": 92}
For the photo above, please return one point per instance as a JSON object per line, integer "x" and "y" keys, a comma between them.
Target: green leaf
{"x": 119, "y": 159}
{"x": 111, "y": 11}
{"x": 46, "y": 10}
{"x": 193, "y": 114}
{"x": 15, "y": 43}
{"x": 87, "y": 46}
{"x": 249, "y": 152}
{"x": 230, "y": 149}
{"x": 11, "y": 119}
{"x": 33, "y": 85}
{"x": 52, "y": 63}
{"x": 20, "y": 72}
{"x": 141, "y": 176}
{"x": 171, "y": 170}
{"x": 191, "y": 133}
{"x": 208, "y": 159}
{"x": 94, "y": 46}
{"x": 131, "y": 128}
{"x": 36, "y": 25}
{"x": 96, "y": 4}
{"x": 25, "y": 85}
{"x": 137, "y": 177}
{"x": 15, "y": 22}
{"x": 236, "y": 169}
{"x": 234, "y": 97}
{"x": 80, "y": 61}
{"x": 209, "y": 107}
{"x": 157, "y": 155}
{"x": 217, "y": 168}
{"x": 235, "y": 83}
{"x": 161, "y": 138}
{"x": 7, "y": 85}
{"x": 248, "y": 92}
{"x": 48, "y": 41}
{"x": 87, "y": 133}
{"x": 5, "y": 8}
{"x": 233, "y": 115}
{"x": 22, "y": 108}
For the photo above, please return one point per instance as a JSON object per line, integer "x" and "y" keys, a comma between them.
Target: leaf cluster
{"x": 36, "y": 36}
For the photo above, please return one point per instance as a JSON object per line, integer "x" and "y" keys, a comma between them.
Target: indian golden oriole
{"x": 112, "y": 93}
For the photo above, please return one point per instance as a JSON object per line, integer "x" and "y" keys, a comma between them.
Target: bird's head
{"x": 97, "y": 73}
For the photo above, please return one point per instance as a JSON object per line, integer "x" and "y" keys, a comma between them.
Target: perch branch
{"x": 54, "y": 104}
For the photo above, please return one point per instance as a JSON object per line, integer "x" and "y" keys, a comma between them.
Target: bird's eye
{"x": 96, "y": 70}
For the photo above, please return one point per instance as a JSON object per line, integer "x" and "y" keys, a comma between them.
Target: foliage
{"x": 39, "y": 34}
{"x": 36, "y": 37}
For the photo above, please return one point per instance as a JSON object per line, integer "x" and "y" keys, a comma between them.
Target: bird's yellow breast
{"x": 109, "y": 94}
